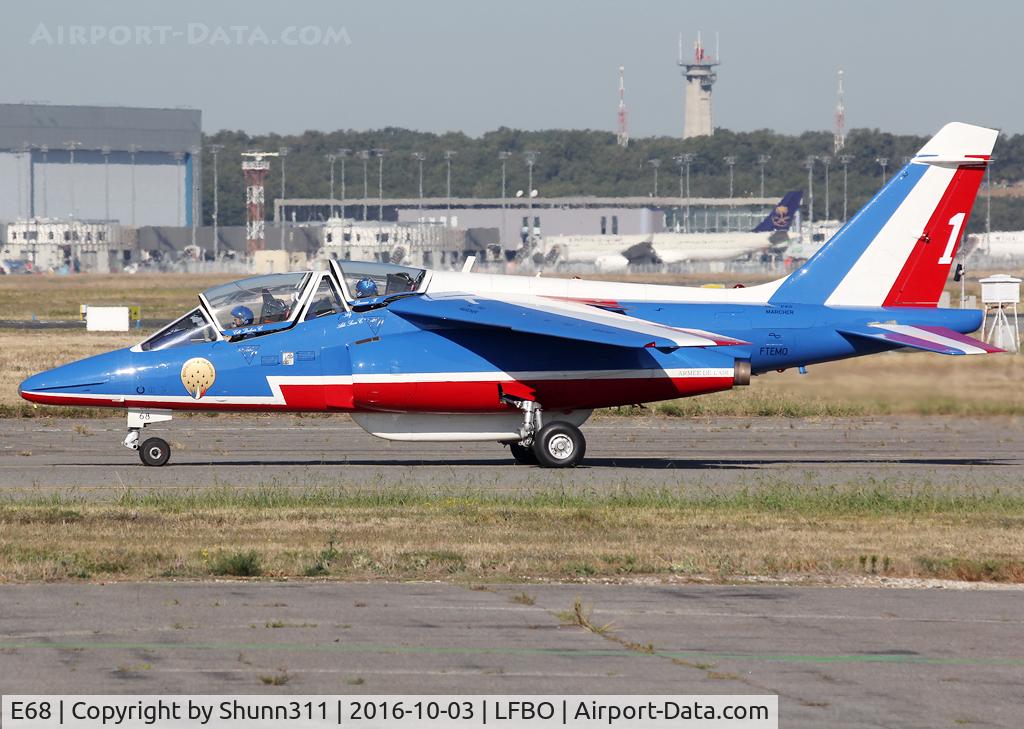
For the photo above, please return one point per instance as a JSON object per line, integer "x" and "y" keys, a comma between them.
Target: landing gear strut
{"x": 152, "y": 451}
{"x": 556, "y": 445}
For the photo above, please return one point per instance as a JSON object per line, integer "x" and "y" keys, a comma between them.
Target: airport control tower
{"x": 700, "y": 76}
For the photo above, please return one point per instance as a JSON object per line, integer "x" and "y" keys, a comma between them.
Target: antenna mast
{"x": 623, "y": 134}
{"x": 839, "y": 140}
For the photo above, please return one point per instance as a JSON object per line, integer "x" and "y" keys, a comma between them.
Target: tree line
{"x": 588, "y": 162}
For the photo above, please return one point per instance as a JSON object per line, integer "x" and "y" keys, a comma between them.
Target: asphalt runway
{"x": 646, "y": 452}
{"x": 837, "y": 657}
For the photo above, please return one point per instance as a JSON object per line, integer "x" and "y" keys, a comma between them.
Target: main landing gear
{"x": 557, "y": 444}
{"x": 152, "y": 451}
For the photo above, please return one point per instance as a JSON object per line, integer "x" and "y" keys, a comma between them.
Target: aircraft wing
{"x": 552, "y": 318}
{"x": 929, "y": 338}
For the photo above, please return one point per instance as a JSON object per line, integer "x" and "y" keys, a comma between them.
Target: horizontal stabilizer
{"x": 566, "y": 320}
{"x": 929, "y": 338}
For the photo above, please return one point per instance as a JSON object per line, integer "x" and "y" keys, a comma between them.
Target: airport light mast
{"x": 419, "y": 157}
{"x": 883, "y": 162}
{"x": 448, "y": 154}
{"x": 655, "y": 164}
{"x": 844, "y": 160}
{"x": 379, "y": 153}
{"x": 283, "y": 153}
{"x": 762, "y": 160}
{"x": 684, "y": 161}
{"x": 364, "y": 155}
{"x": 215, "y": 150}
{"x": 71, "y": 147}
{"x": 531, "y": 160}
{"x": 179, "y": 157}
{"x": 342, "y": 154}
{"x": 809, "y": 164}
{"x": 255, "y": 168}
{"x": 825, "y": 161}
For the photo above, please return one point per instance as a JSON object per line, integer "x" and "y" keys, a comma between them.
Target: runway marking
{"x": 892, "y": 658}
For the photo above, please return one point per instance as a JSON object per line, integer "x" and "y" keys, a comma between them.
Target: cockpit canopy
{"x": 259, "y": 300}
{"x": 265, "y": 304}
{"x": 363, "y": 278}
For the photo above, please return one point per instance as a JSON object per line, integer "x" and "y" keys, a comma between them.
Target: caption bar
{"x": 387, "y": 712}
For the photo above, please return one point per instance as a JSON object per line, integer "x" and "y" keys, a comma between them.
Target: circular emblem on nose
{"x": 197, "y": 375}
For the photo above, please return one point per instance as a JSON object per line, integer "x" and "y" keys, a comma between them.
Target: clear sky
{"x": 474, "y": 65}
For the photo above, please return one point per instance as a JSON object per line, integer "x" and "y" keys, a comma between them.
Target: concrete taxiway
{"x": 837, "y": 657}
{"x": 646, "y": 452}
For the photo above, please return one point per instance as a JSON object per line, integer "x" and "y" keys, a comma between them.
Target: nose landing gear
{"x": 152, "y": 451}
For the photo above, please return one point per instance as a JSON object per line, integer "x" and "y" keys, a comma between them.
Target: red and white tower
{"x": 839, "y": 139}
{"x": 623, "y": 133}
{"x": 255, "y": 167}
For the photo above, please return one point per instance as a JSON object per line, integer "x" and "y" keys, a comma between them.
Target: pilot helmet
{"x": 243, "y": 314}
{"x": 366, "y": 287}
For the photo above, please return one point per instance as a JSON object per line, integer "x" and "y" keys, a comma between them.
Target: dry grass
{"x": 161, "y": 296}
{"x": 471, "y": 538}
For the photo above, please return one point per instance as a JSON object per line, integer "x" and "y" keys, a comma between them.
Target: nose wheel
{"x": 154, "y": 452}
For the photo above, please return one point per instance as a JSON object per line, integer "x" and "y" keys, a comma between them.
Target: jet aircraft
{"x": 422, "y": 355}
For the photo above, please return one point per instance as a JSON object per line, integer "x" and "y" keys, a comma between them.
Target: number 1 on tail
{"x": 957, "y": 221}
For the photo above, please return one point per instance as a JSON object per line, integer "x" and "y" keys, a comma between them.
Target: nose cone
{"x": 87, "y": 379}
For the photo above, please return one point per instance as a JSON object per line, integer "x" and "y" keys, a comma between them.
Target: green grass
{"x": 871, "y": 497}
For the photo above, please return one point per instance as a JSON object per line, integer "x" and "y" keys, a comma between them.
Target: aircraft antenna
{"x": 623, "y": 133}
{"x": 839, "y": 140}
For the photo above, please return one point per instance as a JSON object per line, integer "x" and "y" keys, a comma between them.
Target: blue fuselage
{"x": 376, "y": 360}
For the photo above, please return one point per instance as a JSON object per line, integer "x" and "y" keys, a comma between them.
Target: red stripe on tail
{"x": 925, "y": 272}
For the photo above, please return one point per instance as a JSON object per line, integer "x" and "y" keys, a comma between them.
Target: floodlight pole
{"x": 655, "y": 164}
{"x": 283, "y": 153}
{"x": 364, "y": 155}
{"x": 531, "y": 159}
{"x": 845, "y": 160}
{"x": 809, "y": 164}
{"x": 419, "y": 157}
{"x": 215, "y": 149}
{"x": 342, "y": 153}
{"x": 72, "y": 145}
{"x": 763, "y": 159}
{"x": 826, "y": 160}
{"x": 448, "y": 154}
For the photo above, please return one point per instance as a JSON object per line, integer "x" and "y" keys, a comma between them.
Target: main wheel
{"x": 154, "y": 452}
{"x": 559, "y": 445}
{"x": 522, "y": 454}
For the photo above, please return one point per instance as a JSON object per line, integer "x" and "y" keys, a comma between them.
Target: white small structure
{"x": 107, "y": 318}
{"x": 1000, "y": 295}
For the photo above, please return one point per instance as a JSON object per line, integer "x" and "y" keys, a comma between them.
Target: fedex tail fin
{"x": 898, "y": 249}
{"x": 781, "y": 216}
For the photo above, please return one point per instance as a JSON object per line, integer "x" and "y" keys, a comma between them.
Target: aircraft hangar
{"x": 134, "y": 166}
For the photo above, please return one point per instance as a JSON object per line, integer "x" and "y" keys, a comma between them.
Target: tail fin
{"x": 781, "y": 216}
{"x": 898, "y": 249}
